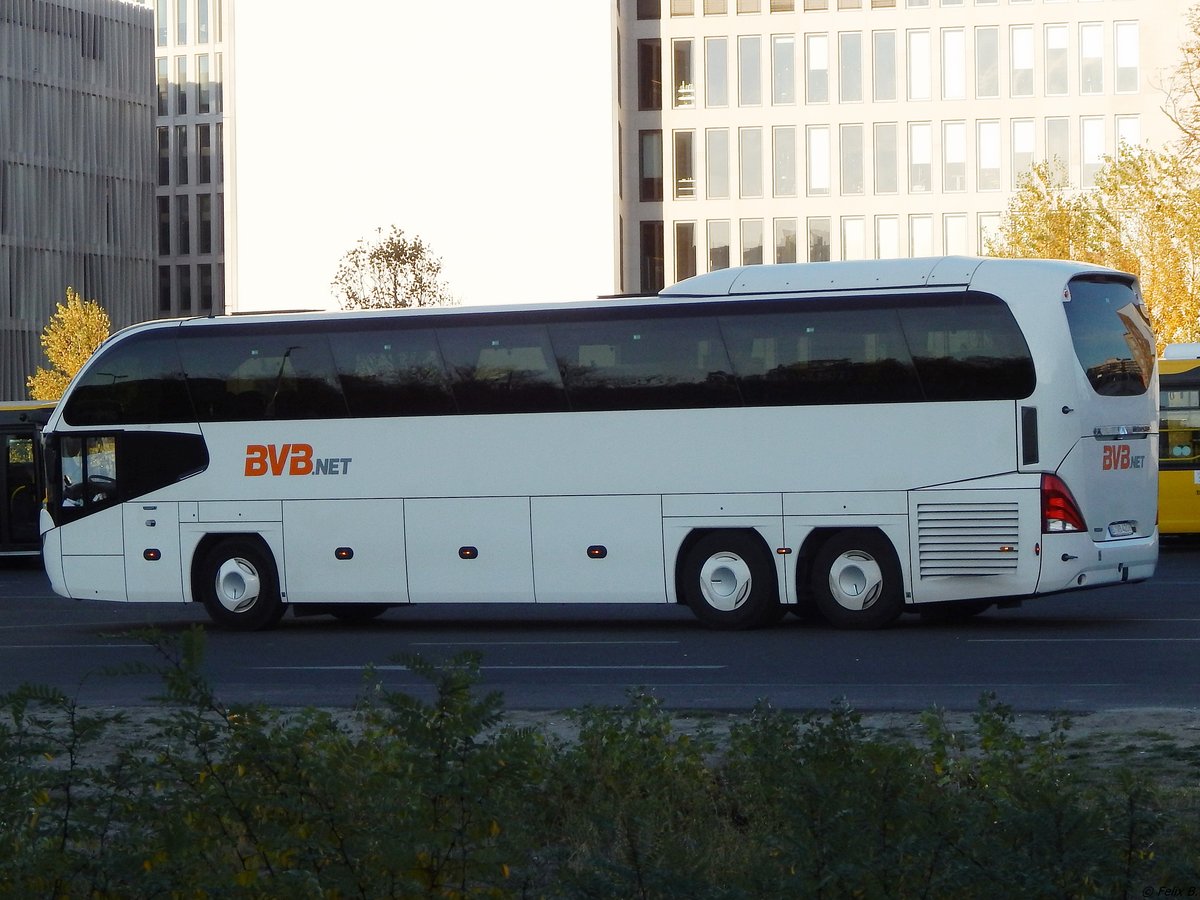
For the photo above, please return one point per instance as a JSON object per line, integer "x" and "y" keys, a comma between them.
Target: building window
{"x": 954, "y": 64}
{"x": 1125, "y": 35}
{"x": 164, "y": 155}
{"x": 987, "y": 62}
{"x": 1021, "y": 61}
{"x": 920, "y": 157}
{"x": 1058, "y": 140}
{"x": 685, "y": 165}
{"x": 683, "y": 8}
{"x": 920, "y": 52}
{"x": 716, "y": 7}
{"x": 651, "y": 257}
{"x": 783, "y": 5}
{"x": 202, "y": 21}
{"x": 164, "y": 84}
{"x": 752, "y": 242}
{"x": 750, "y": 71}
{"x": 819, "y": 232}
{"x": 161, "y": 19}
{"x": 203, "y": 85}
{"x": 816, "y": 5}
{"x": 883, "y": 65}
{"x": 818, "y": 160}
{"x": 886, "y": 158}
{"x": 181, "y": 154}
{"x": 184, "y": 276}
{"x": 650, "y": 74}
{"x": 683, "y": 80}
{"x": 1023, "y": 147}
{"x": 1091, "y": 149}
{"x": 164, "y": 289}
{"x": 649, "y": 9}
{"x": 750, "y": 171}
{"x": 718, "y": 244}
{"x": 181, "y": 21}
{"x": 1091, "y": 58}
{"x": 987, "y": 144}
{"x": 849, "y": 4}
{"x": 164, "y": 226}
{"x": 954, "y": 156}
{"x": 1129, "y": 131}
{"x": 650, "y": 166}
{"x": 816, "y": 67}
{"x": 1056, "y": 60}
{"x": 887, "y": 237}
{"x": 785, "y": 241}
{"x": 717, "y": 163}
{"x": 920, "y": 236}
{"x": 205, "y": 219}
{"x": 783, "y": 69}
{"x": 784, "y": 152}
{"x": 716, "y": 71}
{"x": 749, "y": 6}
{"x": 181, "y": 85}
{"x": 206, "y": 287}
{"x": 850, "y": 147}
{"x": 850, "y": 79}
{"x": 685, "y": 250}
{"x": 954, "y": 234}
{"x": 854, "y": 237}
{"x": 204, "y": 149}
{"x": 989, "y": 226}
{"x": 183, "y": 226}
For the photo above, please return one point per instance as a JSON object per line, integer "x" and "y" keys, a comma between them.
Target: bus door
{"x": 19, "y": 492}
{"x": 86, "y": 500}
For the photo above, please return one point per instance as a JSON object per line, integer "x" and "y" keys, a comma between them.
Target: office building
{"x": 76, "y": 168}
{"x": 789, "y": 130}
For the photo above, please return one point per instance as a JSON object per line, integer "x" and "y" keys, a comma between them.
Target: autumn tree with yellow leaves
{"x": 72, "y": 335}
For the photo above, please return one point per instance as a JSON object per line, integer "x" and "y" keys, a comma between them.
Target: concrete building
{"x": 76, "y": 168}
{"x": 791, "y": 130}
{"x": 193, "y": 67}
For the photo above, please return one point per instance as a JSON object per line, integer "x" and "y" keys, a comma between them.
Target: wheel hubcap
{"x": 237, "y": 585}
{"x": 725, "y": 581}
{"x": 855, "y": 580}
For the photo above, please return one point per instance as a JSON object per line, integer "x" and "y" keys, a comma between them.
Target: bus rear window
{"x": 1111, "y": 334}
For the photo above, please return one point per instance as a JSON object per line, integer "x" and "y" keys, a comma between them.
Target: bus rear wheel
{"x": 239, "y": 587}
{"x": 856, "y": 580}
{"x": 729, "y": 582}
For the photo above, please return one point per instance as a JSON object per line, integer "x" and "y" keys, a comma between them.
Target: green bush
{"x": 403, "y": 798}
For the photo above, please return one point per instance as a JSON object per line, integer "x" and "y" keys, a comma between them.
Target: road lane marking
{"x": 359, "y": 668}
{"x": 544, "y": 643}
{"x": 1147, "y": 640}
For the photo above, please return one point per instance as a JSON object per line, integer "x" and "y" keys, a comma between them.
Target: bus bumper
{"x": 1072, "y": 561}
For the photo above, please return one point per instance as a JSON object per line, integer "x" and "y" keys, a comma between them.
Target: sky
{"x": 485, "y": 128}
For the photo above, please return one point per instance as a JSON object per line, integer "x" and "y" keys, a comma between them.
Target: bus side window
{"x": 497, "y": 369}
{"x": 392, "y": 373}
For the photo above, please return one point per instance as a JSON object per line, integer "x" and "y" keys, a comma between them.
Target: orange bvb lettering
{"x": 295, "y": 459}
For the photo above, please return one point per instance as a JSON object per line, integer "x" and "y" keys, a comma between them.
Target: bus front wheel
{"x": 238, "y": 586}
{"x": 729, "y": 582}
{"x": 856, "y": 580}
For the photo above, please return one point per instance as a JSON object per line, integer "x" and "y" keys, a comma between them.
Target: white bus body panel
{"x": 313, "y": 530}
{"x": 152, "y": 526}
{"x": 627, "y": 567}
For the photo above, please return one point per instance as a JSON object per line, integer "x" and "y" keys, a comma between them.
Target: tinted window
{"x": 1112, "y": 336}
{"x": 236, "y": 375}
{"x": 969, "y": 351}
{"x": 502, "y": 369}
{"x": 823, "y": 356}
{"x": 392, "y": 373}
{"x": 134, "y": 381}
{"x": 644, "y": 364}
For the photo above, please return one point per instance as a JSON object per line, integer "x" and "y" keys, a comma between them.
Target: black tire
{"x": 239, "y": 587}
{"x": 728, "y": 580}
{"x": 856, "y": 580}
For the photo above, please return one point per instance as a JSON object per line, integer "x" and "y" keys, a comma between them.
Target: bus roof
{"x": 25, "y": 411}
{"x": 1181, "y": 351}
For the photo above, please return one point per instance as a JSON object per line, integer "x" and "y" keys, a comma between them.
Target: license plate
{"x": 1120, "y": 529}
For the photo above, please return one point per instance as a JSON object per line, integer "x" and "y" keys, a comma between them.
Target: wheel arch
{"x": 818, "y": 537}
{"x": 697, "y": 534}
{"x": 212, "y": 539}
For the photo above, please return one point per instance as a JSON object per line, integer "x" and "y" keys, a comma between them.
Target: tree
{"x": 71, "y": 336}
{"x": 1142, "y": 217}
{"x": 392, "y": 271}
{"x": 1182, "y": 86}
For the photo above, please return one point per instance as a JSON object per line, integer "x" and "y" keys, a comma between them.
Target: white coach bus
{"x": 853, "y": 439}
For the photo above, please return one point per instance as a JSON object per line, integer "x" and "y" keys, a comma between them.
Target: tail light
{"x": 1060, "y": 512}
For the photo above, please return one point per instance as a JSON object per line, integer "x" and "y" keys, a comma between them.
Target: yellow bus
{"x": 1179, "y": 440}
{"x": 21, "y": 486}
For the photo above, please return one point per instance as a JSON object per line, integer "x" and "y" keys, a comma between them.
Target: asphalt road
{"x": 1135, "y": 646}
